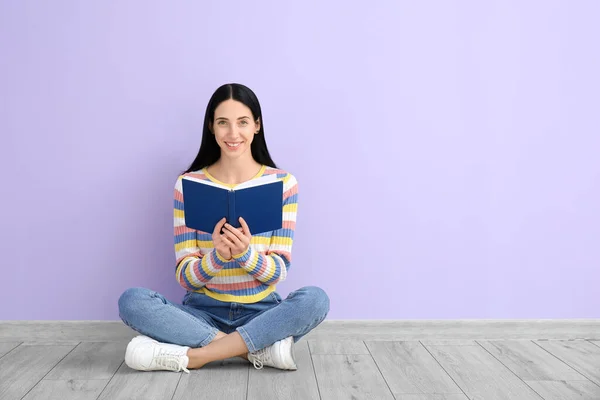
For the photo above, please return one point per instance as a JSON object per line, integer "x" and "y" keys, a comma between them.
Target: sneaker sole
{"x": 292, "y": 350}
{"x": 130, "y": 352}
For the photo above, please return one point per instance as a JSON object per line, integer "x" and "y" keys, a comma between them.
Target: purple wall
{"x": 455, "y": 166}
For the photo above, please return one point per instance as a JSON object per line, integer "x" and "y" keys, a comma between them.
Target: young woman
{"x": 231, "y": 307}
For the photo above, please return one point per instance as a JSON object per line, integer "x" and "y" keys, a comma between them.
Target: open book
{"x": 259, "y": 201}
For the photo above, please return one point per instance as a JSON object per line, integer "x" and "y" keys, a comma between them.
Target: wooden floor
{"x": 329, "y": 368}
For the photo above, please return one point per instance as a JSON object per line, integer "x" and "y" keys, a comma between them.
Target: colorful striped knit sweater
{"x": 248, "y": 277}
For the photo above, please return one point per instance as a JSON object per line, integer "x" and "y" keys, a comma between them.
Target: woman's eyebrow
{"x": 238, "y": 118}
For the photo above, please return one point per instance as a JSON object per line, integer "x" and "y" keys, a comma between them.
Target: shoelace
{"x": 170, "y": 360}
{"x": 261, "y": 357}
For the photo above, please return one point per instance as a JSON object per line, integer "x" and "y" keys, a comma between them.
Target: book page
{"x": 210, "y": 183}
{"x": 257, "y": 182}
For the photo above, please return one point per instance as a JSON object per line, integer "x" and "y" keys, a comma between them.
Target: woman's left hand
{"x": 237, "y": 238}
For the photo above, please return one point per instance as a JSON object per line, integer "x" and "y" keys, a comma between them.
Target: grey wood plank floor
{"x": 349, "y": 368}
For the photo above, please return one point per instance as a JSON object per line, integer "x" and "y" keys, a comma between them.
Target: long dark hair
{"x": 210, "y": 151}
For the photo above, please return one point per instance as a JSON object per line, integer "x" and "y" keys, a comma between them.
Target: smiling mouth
{"x": 233, "y": 145}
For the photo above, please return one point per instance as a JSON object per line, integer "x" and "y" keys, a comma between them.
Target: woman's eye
{"x": 221, "y": 122}
{"x": 244, "y": 122}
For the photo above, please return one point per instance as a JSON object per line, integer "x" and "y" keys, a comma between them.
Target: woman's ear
{"x": 257, "y": 126}
{"x": 210, "y": 128}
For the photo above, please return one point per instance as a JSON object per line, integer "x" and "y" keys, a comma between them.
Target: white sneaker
{"x": 278, "y": 355}
{"x": 146, "y": 354}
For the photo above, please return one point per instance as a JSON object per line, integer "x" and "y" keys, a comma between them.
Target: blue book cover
{"x": 258, "y": 201}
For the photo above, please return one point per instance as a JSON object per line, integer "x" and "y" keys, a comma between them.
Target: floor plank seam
{"x": 379, "y": 369}
{"x": 566, "y": 363}
{"x": 510, "y": 370}
{"x": 50, "y": 370}
{"x": 247, "y": 383}
{"x": 179, "y": 381}
{"x": 110, "y": 380}
{"x": 11, "y": 350}
{"x": 593, "y": 341}
{"x": 444, "y": 369}
{"x": 314, "y": 370}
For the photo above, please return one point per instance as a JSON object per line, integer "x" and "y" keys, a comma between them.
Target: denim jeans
{"x": 197, "y": 320}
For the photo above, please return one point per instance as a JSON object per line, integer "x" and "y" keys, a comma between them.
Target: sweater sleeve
{"x": 271, "y": 266}
{"x": 193, "y": 269}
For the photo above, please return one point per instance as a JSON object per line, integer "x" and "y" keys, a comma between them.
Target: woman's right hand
{"x": 220, "y": 243}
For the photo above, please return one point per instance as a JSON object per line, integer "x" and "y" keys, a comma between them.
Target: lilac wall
{"x": 484, "y": 120}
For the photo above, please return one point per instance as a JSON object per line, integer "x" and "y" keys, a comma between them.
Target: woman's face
{"x": 234, "y": 128}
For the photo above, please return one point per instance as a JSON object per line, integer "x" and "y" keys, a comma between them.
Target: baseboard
{"x": 490, "y": 329}
{"x": 92, "y": 331}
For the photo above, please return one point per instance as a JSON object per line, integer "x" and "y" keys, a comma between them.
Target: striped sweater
{"x": 248, "y": 277}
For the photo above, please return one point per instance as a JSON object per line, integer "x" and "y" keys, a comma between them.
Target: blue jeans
{"x": 196, "y": 322}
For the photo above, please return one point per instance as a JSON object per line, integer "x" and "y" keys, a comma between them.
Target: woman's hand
{"x": 238, "y": 238}
{"x": 221, "y": 245}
